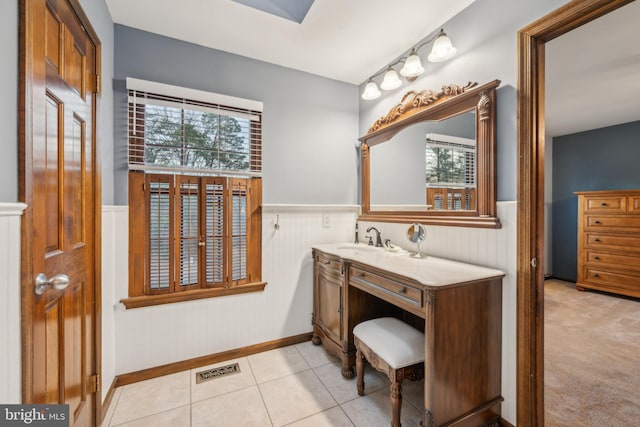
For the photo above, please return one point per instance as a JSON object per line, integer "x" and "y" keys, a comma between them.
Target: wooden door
{"x": 59, "y": 182}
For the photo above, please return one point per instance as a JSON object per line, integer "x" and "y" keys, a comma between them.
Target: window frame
{"x": 140, "y": 294}
{"x": 140, "y": 176}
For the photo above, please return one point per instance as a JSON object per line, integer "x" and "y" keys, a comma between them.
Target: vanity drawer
{"x": 329, "y": 265}
{"x": 386, "y": 288}
{"x": 608, "y": 204}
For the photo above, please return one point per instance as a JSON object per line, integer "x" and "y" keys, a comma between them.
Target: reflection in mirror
{"x": 416, "y": 234}
{"x": 431, "y": 159}
{"x": 427, "y": 166}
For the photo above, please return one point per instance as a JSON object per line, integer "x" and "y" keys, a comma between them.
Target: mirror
{"x": 416, "y": 234}
{"x": 431, "y": 159}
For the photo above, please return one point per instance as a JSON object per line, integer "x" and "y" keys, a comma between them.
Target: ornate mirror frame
{"x": 426, "y": 105}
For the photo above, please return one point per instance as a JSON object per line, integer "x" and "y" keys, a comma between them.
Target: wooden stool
{"x": 393, "y": 347}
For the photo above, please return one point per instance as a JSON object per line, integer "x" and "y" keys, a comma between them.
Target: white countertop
{"x": 430, "y": 271}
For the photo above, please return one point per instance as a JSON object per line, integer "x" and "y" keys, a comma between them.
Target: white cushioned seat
{"x": 394, "y": 341}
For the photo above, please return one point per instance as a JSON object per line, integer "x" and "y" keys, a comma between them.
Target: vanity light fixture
{"x": 441, "y": 50}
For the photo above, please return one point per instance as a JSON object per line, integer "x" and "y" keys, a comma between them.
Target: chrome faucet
{"x": 378, "y": 238}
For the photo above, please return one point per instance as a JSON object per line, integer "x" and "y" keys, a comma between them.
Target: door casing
{"x": 530, "y": 241}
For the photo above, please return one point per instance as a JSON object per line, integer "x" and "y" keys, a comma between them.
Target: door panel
{"x": 59, "y": 184}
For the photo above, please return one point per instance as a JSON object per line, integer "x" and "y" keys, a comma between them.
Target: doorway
{"x": 531, "y": 144}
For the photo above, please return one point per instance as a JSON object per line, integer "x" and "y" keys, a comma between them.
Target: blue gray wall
{"x": 9, "y": 101}
{"x": 310, "y": 123}
{"x": 600, "y": 159}
{"x": 99, "y": 15}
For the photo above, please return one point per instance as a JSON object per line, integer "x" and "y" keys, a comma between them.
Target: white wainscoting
{"x": 10, "y": 343}
{"x": 115, "y": 251}
{"x": 152, "y": 336}
{"x": 488, "y": 247}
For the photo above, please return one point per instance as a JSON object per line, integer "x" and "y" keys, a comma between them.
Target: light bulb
{"x": 442, "y": 48}
{"x": 371, "y": 91}
{"x": 391, "y": 80}
{"x": 412, "y": 66}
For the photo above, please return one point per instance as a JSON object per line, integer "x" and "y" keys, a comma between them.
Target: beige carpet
{"x": 592, "y": 358}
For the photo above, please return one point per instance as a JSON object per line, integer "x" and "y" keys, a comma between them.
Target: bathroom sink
{"x": 359, "y": 247}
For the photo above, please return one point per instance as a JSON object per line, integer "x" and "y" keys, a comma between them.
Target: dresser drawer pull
{"x": 327, "y": 262}
{"x": 402, "y": 290}
{"x": 603, "y": 204}
{"x": 596, "y": 258}
{"x": 596, "y": 222}
{"x": 596, "y": 240}
{"x": 596, "y": 275}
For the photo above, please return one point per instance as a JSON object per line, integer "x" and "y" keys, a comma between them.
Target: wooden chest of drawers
{"x": 609, "y": 241}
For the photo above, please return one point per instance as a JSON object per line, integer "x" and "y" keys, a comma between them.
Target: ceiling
{"x": 593, "y": 74}
{"x": 346, "y": 40}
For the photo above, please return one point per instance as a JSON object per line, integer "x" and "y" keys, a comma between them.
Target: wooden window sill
{"x": 150, "y": 300}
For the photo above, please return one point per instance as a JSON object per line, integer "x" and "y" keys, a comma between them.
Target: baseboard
{"x": 505, "y": 423}
{"x": 107, "y": 400}
{"x": 172, "y": 368}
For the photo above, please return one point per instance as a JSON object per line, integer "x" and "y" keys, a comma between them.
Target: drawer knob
{"x": 596, "y": 275}
{"x": 596, "y": 240}
{"x": 402, "y": 290}
{"x": 596, "y": 222}
{"x": 603, "y": 204}
{"x": 596, "y": 257}
{"x": 327, "y": 262}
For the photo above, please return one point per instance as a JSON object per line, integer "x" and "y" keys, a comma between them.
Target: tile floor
{"x": 299, "y": 385}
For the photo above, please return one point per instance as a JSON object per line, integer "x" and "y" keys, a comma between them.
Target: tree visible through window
{"x": 194, "y": 194}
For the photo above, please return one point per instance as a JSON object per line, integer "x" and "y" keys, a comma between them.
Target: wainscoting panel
{"x": 10, "y": 343}
{"x": 153, "y": 336}
{"x": 487, "y": 247}
{"x": 114, "y": 269}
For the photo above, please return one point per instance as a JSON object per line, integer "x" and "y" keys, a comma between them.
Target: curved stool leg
{"x": 396, "y": 402}
{"x": 360, "y": 371}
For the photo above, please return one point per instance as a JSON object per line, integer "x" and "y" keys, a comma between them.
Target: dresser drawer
{"x": 608, "y": 204}
{"x": 602, "y": 241}
{"x": 600, "y": 260}
{"x": 612, "y": 222}
{"x": 611, "y": 279}
{"x": 386, "y": 288}
{"x": 634, "y": 205}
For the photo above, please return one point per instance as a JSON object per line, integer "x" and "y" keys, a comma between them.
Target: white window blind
{"x": 180, "y": 130}
{"x": 450, "y": 161}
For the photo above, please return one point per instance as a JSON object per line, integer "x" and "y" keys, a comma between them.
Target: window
{"x": 450, "y": 172}
{"x": 195, "y": 193}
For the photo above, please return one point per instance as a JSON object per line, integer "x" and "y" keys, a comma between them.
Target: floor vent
{"x": 221, "y": 371}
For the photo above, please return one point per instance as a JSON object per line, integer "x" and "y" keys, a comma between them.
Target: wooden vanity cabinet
{"x": 462, "y": 323}
{"x": 609, "y": 241}
{"x": 328, "y": 297}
